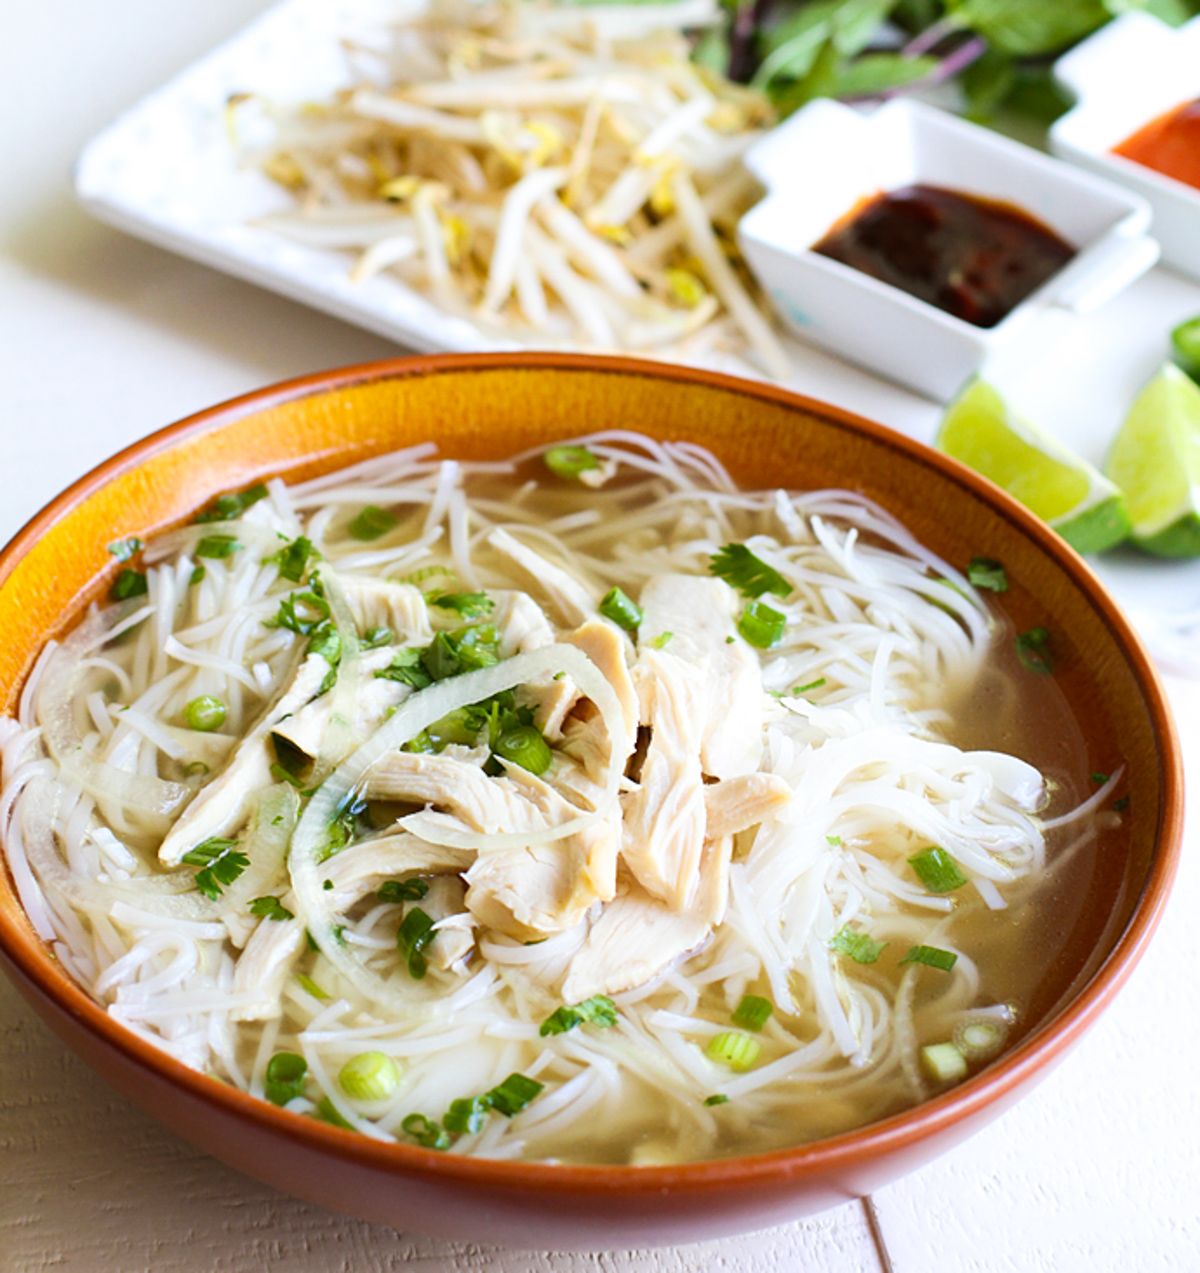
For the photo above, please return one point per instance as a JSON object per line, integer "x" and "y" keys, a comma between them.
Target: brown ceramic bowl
{"x": 491, "y": 406}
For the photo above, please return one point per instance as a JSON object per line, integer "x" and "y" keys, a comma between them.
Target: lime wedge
{"x": 1086, "y": 509}
{"x": 1156, "y": 460}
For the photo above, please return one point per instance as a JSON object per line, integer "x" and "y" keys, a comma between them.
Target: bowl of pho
{"x": 567, "y": 801}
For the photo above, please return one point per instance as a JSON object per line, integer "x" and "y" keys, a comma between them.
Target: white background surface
{"x": 103, "y": 339}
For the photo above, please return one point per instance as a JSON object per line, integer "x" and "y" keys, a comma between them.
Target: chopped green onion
{"x": 327, "y": 1112}
{"x": 197, "y": 576}
{"x": 1033, "y": 651}
{"x": 979, "y": 1038}
{"x": 569, "y": 461}
{"x": 308, "y": 984}
{"x": 372, "y": 523}
{"x": 292, "y": 618}
{"x": 736, "y": 1050}
{"x": 861, "y": 947}
{"x": 402, "y": 890}
{"x": 834, "y": 841}
{"x": 983, "y": 572}
{"x": 514, "y": 1094}
{"x": 285, "y": 1076}
{"x": 812, "y": 685}
{"x": 661, "y": 641}
{"x": 932, "y": 957}
{"x": 123, "y": 549}
{"x": 524, "y": 745}
{"x": 937, "y": 870}
{"x": 293, "y": 560}
{"x": 944, "y": 1062}
{"x": 469, "y": 604}
{"x": 752, "y": 1013}
{"x": 716, "y": 1100}
{"x": 229, "y": 507}
{"x": 750, "y": 575}
{"x": 599, "y": 1010}
{"x": 129, "y": 583}
{"x": 373, "y": 638}
{"x": 221, "y": 863}
{"x": 216, "y": 547}
{"x": 624, "y": 612}
{"x": 416, "y": 932}
{"x": 425, "y": 1132}
{"x": 205, "y": 713}
{"x": 761, "y": 625}
{"x": 468, "y": 1114}
{"x": 270, "y": 908}
{"x": 369, "y": 1076}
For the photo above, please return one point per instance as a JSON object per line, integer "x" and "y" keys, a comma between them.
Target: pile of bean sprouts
{"x": 560, "y": 175}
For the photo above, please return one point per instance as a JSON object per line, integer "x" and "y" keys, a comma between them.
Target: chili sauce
{"x": 1169, "y": 144}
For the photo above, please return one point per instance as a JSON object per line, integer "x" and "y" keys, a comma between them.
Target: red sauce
{"x": 1169, "y": 144}
{"x": 977, "y": 259}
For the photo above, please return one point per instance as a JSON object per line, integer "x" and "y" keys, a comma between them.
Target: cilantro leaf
{"x": 469, "y": 604}
{"x": 221, "y": 864}
{"x": 270, "y": 908}
{"x": 599, "y": 1011}
{"x": 229, "y": 507}
{"x": 751, "y": 576}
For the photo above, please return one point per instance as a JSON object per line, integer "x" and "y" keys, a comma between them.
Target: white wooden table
{"x": 103, "y": 339}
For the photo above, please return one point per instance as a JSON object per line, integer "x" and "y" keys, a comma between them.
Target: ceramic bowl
{"x": 827, "y": 158}
{"x": 1157, "y": 67}
{"x": 489, "y": 406}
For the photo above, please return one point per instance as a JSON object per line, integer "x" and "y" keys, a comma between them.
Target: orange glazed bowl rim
{"x": 24, "y": 953}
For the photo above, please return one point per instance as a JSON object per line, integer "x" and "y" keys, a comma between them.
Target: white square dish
{"x": 1157, "y": 67}
{"x": 827, "y": 158}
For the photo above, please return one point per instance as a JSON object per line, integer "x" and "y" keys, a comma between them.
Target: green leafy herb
{"x": 463, "y": 650}
{"x": 406, "y": 668}
{"x": 761, "y": 625}
{"x": 372, "y": 522}
{"x": 217, "y": 547}
{"x": 861, "y": 947}
{"x": 344, "y": 824}
{"x": 129, "y": 583}
{"x": 514, "y": 1094}
{"x": 1099, "y": 779}
{"x": 750, "y": 575}
{"x": 302, "y": 613}
{"x": 292, "y": 760}
{"x": 198, "y": 575}
{"x": 937, "y": 870}
{"x": 221, "y": 864}
{"x": 569, "y": 461}
{"x": 661, "y": 641}
{"x": 716, "y": 1100}
{"x": 286, "y": 1072}
{"x": 227, "y": 508}
{"x": 599, "y": 1010}
{"x": 425, "y": 1132}
{"x": 625, "y": 613}
{"x": 415, "y": 933}
{"x": 123, "y": 549}
{"x": 834, "y": 840}
{"x": 270, "y": 908}
{"x": 471, "y": 605}
{"x": 293, "y": 560}
{"x": 373, "y": 638}
{"x": 402, "y": 890}
{"x": 983, "y": 572}
{"x": 752, "y": 1013}
{"x": 1121, "y": 805}
{"x": 932, "y": 956}
{"x": 1033, "y": 649}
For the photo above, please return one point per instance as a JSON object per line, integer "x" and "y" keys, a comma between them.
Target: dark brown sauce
{"x": 1169, "y": 144}
{"x": 975, "y": 258}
